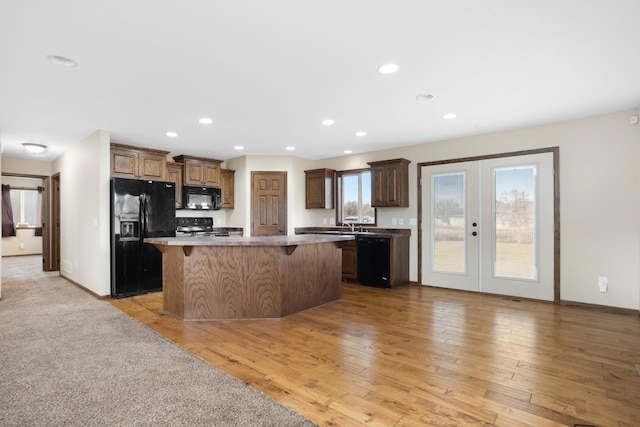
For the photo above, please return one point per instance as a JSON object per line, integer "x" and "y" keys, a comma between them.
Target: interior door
{"x": 488, "y": 226}
{"x": 46, "y": 225}
{"x": 268, "y": 203}
{"x": 55, "y": 222}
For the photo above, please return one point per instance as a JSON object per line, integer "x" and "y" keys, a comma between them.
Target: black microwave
{"x": 205, "y": 198}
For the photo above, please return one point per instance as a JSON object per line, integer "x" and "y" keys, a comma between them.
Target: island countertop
{"x": 293, "y": 240}
{"x": 209, "y": 278}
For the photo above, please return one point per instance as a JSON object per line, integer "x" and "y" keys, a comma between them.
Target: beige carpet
{"x": 69, "y": 359}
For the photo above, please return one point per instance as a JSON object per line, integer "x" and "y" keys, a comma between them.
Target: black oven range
{"x": 197, "y": 226}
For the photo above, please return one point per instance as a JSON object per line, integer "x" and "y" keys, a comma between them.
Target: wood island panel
{"x": 243, "y": 281}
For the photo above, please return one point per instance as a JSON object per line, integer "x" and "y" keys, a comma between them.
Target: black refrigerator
{"x": 139, "y": 209}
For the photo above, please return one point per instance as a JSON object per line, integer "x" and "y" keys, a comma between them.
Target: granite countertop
{"x": 344, "y": 231}
{"x": 294, "y": 240}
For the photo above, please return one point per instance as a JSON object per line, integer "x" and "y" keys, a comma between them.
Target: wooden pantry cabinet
{"x": 390, "y": 183}
{"x": 200, "y": 171}
{"x": 138, "y": 163}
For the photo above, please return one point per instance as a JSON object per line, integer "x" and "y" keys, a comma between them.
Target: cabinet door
{"x": 350, "y": 261}
{"x": 390, "y": 183}
{"x": 193, "y": 172}
{"x": 211, "y": 174}
{"x": 124, "y": 163}
{"x": 227, "y": 183}
{"x": 319, "y": 185}
{"x": 174, "y": 174}
{"x": 378, "y": 187}
{"x": 392, "y": 179}
{"x": 151, "y": 166}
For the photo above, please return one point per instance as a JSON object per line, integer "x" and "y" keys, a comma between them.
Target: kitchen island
{"x": 207, "y": 278}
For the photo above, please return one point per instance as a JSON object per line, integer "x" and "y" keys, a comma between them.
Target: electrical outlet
{"x": 602, "y": 284}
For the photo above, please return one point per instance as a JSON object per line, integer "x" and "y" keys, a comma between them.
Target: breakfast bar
{"x": 207, "y": 278}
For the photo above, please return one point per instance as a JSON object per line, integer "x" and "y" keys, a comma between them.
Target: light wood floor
{"x": 425, "y": 356}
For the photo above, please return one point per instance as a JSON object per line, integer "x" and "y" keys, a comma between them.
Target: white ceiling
{"x": 268, "y": 72}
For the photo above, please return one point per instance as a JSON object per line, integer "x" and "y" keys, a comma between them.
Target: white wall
{"x": 84, "y": 213}
{"x": 599, "y": 198}
{"x": 14, "y": 165}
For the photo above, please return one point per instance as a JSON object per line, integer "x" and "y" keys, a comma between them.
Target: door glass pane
{"x": 449, "y": 223}
{"x": 514, "y": 226}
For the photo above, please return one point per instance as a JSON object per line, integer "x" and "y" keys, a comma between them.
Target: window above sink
{"x": 354, "y": 198}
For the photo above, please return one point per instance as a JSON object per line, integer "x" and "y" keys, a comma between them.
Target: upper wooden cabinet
{"x": 200, "y": 171}
{"x": 174, "y": 174}
{"x": 320, "y": 188}
{"x": 226, "y": 176}
{"x": 390, "y": 183}
{"x": 138, "y": 163}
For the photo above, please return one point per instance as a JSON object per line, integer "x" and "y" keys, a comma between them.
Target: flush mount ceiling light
{"x": 449, "y": 116}
{"x": 347, "y": 151}
{"x": 172, "y": 134}
{"x": 388, "y": 68}
{"x": 33, "y": 148}
{"x": 62, "y": 61}
{"x": 238, "y": 147}
{"x": 328, "y": 122}
{"x": 425, "y": 97}
{"x": 361, "y": 133}
{"x": 206, "y": 121}
{"x": 290, "y": 148}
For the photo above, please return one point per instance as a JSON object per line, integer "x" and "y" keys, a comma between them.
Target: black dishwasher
{"x": 373, "y": 261}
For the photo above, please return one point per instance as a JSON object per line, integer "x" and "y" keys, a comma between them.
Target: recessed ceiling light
{"x": 348, "y": 151}
{"x": 290, "y": 148}
{"x": 425, "y": 97}
{"x": 206, "y": 121}
{"x": 172, "y": 134}
{"x": 449, "y": 116}
{"x": 361, "y": 134}
{"x": 62, "y": 61}
{"x": 388, "y": 68}
{"x": 33, "y": 148}
{"x": 328, "y": 122}
{"x": 238, "y": 147}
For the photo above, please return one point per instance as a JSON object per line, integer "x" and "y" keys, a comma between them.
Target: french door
{"x": 488, "y": 226}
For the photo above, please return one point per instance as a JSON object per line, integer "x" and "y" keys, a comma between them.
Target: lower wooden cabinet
{"x": 350, "y": 261}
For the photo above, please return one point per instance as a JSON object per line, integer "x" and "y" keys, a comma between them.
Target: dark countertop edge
{"x": 294, "y": 240}
{"x": 371, "y": 231}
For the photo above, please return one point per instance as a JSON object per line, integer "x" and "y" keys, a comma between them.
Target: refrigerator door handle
{"x": 142, "y": 218}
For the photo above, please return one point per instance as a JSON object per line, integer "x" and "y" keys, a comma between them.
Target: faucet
{"x": 350, "y": 225}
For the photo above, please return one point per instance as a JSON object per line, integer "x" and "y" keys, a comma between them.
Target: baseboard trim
{"x": 601, "y": 308}
{"x": 90, "y": 292}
